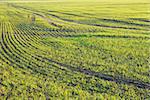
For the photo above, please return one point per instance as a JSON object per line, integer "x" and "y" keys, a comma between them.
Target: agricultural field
{"x": 75, "y": 50}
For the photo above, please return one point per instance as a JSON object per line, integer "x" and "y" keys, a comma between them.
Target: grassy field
{"x": 75, "y": 50}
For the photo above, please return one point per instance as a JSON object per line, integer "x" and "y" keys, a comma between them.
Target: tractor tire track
{"x": 106, "y": 77}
